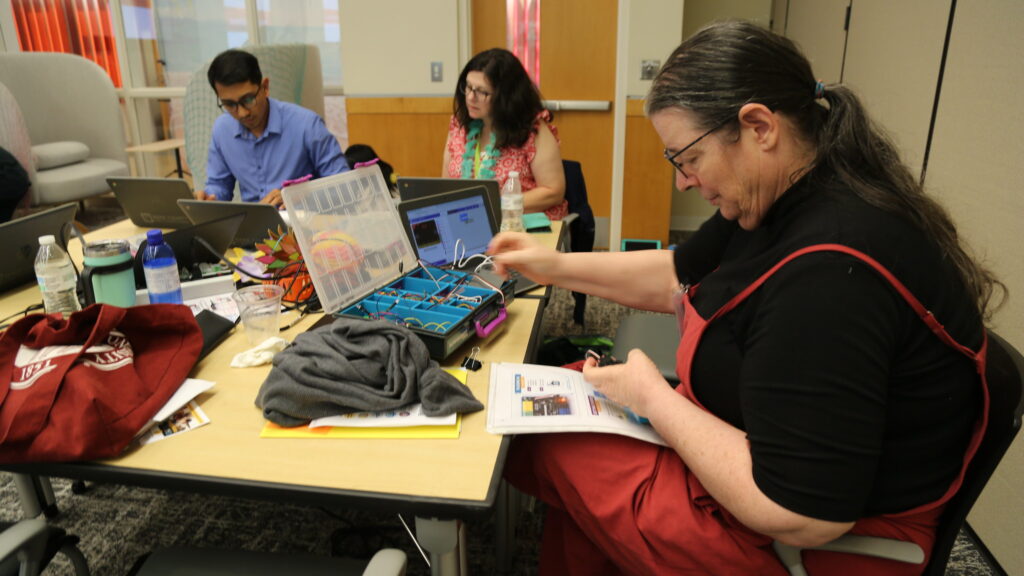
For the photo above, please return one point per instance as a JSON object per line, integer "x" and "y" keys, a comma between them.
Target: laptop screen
{"x": 435, "y": 228}
{"x": 20, "y": 241}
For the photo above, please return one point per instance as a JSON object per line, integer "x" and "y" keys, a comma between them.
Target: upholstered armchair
{"x": 71, "y": 113}
{"x": 295, "y": 76}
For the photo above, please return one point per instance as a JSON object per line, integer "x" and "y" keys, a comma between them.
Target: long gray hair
{"x": 731, "y": 63}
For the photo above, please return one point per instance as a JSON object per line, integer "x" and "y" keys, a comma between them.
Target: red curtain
{"x": 74, "y": 26}
{"x": 522, "y": 30}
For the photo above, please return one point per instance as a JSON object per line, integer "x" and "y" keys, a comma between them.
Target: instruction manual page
{"x": 531, "y": 398}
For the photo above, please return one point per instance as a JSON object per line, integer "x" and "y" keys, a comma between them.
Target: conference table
{"x": 440, "y": 481}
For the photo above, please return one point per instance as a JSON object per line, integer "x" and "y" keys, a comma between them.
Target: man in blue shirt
{"x": 261, "y": 142}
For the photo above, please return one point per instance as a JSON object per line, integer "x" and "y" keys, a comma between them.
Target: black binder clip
{"x": 470, "y": 362}
{"x": 603, "y": 359}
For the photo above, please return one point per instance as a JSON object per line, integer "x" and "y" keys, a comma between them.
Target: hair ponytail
{"x": 728, "y": 64}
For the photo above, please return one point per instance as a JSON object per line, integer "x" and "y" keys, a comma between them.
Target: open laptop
{"x": 20, "y": 241}
{"x": 416, "y": 188}
{"x": 152, "y": 202}
{"x": 190, "y": 252}
{"x": 445, "y": 228}
{"x": 259, "y": 218}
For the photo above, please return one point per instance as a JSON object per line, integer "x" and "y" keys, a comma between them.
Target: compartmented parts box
{"x": 363, "y": 265}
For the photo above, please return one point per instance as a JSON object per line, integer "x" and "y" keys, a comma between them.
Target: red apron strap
{"x": 926, "y": 316}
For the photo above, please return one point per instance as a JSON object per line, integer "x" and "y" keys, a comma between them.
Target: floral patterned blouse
{"x": 509, "y": 159}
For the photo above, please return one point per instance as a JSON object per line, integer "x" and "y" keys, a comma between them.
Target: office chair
{"x": 26, "y": 547}
{"x": 1005, "y": 371}
{"x": 73, "y": 149}
{"x": 581, "y": 224}
{"x": 190, "y": 561}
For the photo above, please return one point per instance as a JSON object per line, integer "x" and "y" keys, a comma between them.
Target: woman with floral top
{"x": 499, "y": 126}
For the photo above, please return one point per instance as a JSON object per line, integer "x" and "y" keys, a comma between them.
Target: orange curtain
{"x": 74, "y": 26}
{"x": 522, "y": 30}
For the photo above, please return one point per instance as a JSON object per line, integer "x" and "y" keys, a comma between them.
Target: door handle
{"x": 577, "y": 105}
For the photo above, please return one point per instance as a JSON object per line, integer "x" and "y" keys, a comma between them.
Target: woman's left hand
{"x": 628, "y": 383}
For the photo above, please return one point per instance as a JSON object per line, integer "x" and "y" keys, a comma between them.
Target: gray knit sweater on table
{"x": 355, "y": 365}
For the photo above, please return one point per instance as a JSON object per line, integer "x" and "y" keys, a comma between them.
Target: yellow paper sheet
{"x": 272, "y": 430}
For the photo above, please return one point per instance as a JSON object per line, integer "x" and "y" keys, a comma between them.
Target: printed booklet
{"x": 531, "y": 398}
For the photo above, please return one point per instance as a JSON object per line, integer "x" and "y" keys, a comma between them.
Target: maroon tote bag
{"x": 81, "y": 388}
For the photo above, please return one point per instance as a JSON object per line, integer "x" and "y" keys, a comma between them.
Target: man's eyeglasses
{"x": 672, "y": 157}
{"x": 474, "y": 91}
{"x": 246, "y": 102}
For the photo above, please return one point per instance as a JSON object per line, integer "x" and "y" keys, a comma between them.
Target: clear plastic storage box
{"x": 363, "y": 265}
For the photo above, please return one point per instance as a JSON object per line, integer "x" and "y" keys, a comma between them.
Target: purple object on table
{"x": 365, "y": 164}
{"x": 299, "y": 180}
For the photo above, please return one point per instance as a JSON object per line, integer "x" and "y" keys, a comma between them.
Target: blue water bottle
{"x": 161, "y": 270}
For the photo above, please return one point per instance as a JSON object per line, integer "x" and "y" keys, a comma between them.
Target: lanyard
{"x": 476, "y": 159}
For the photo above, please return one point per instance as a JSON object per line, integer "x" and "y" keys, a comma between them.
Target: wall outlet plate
{"x": 436, "y": 71}
{"x": 649, "y": 68}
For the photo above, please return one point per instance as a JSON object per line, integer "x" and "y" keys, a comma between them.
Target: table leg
{"x": 36, "y": 495}
{"x": 177, "y": 161}
{"x": 507, "y": 512}
{"x": 445, "y": 541}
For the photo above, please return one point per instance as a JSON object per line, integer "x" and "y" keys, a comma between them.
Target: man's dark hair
{"x": 234, "y": 67}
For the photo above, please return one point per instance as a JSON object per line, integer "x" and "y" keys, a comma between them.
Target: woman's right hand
{"x": 520, "y": 252}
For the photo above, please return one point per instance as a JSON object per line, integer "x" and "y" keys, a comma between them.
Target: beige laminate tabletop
{"x": 228, "y": 456}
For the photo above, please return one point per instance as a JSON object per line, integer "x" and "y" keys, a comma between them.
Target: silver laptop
{"x": 20, "y": 239}
{"x": 416, "y": 188}
{"x": 259, "y": 218}
{"x": 152, "y": 202}
{"x": 447, "y": 228}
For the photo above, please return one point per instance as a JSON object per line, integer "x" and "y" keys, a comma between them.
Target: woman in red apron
{"x": 832, "y": 345}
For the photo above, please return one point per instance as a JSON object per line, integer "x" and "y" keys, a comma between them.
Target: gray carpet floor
{"x": 117, "y": 523}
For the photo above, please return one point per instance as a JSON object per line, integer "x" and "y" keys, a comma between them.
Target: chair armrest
{"x": 567, "y": 235}
{"x": 887, "y": 548}
{"x": 387, "y": 562}
{"x": 26, "y": 535}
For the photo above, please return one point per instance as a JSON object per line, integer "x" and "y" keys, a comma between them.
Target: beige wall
{"x": 387, "y": 46}
{"x": 697, "y": 13}
{"x": 653, "y": 34}
{"x": 898, "y": 91}
{"x": 817, "y": 27}
{"x": 975, "y": 169}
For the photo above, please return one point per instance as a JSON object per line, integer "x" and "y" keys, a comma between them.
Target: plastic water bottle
{"x": 512, "y": 204}
{"x": 161, "y": 270}
{"x": 57, "y": 278}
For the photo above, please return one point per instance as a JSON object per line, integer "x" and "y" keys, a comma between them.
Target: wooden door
{"x": 577, "y": 59}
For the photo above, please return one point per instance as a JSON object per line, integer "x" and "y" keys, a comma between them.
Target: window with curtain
{"x": 80, "y": 27}
{"x": 305, "y": 22}
{"x": 168, "y": 40}
{"x": 310, "y": 22}
{"x": 522, "y": 30}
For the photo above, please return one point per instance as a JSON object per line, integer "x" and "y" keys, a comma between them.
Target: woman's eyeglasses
{"x": 672, "y": 157}
{"x": 471, "y": 91}
{"x": 246, "y": 102}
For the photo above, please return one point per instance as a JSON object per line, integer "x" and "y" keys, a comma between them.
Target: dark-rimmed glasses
{"x": 474, "y": 91}
{"x": 247, "y": 102}
{"x": 672, "y": 157}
